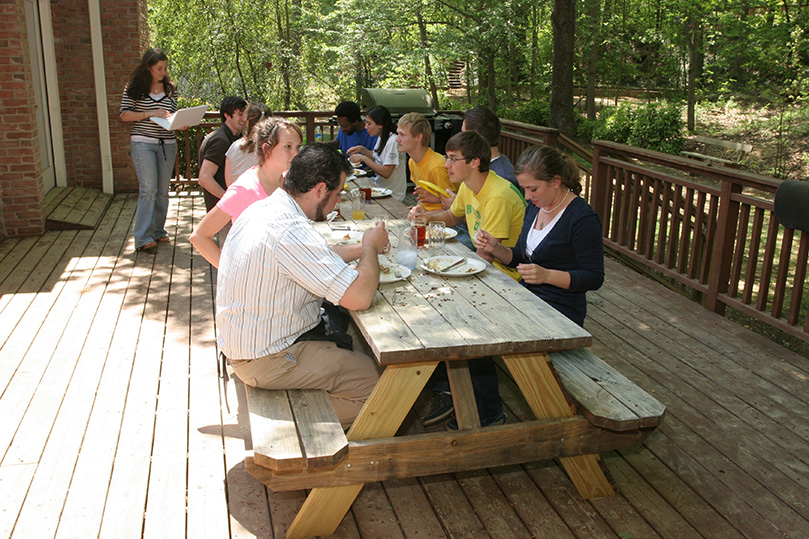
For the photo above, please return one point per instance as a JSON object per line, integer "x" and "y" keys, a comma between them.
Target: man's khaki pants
{"x": 348, "y": 377}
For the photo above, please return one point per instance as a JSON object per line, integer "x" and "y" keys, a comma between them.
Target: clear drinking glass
{"x": 436, "y": 237}
{"x": 406, "y": 250}
{"x": 357, "y": 205}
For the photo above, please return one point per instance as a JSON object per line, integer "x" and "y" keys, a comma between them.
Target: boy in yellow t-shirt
{"x": 484, "y": 199}
{"x": 413, "y": 134}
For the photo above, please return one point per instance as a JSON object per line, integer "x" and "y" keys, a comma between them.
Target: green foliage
{"x": 655, "y": 126}
{"x": 658, "y": 126}
{"x": 535, "y": 112}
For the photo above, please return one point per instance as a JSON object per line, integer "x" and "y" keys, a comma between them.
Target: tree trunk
{"x": 563, "y": 20}
{"x": 428, "y": 70}
{"x": 490, "y": 83}
{"x": 694, "y": 42}
{"x": 534, "y": 48}
{"x": 592, "y": 57}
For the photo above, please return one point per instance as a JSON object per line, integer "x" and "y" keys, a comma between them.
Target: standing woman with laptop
{"x": 150, "y": 92}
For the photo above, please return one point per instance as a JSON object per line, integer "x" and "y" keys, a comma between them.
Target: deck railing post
{"x": 722, "y": 255}
{"x": 598, "y": 186}
{"x": 310, "y": 128}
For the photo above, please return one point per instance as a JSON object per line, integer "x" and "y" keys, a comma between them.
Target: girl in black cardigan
{"x": 559, "y": 253}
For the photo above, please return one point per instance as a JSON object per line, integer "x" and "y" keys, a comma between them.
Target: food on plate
{"x": 431, "y": 188}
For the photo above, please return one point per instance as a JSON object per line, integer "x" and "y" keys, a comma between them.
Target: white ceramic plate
{"x": 391, "y": 273}
{"x": 379, "y": 192}
{"x": 344, "y": 237}
{"x": 470, "y": 267}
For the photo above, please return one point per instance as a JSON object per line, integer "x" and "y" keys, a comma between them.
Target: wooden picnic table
{"x": 411, "y": 327}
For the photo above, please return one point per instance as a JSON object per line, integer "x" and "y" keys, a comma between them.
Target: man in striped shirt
{"x": 275, "y": 271}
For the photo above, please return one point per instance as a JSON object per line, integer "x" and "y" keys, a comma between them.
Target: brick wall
{"x": 21, "y": 191}
{"x": 124, "y": 32}
{"x": 125, "y": 37}
{"x": 124, "y": 28}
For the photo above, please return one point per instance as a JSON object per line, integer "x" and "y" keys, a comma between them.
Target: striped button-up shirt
{"x": 274, "y": 272}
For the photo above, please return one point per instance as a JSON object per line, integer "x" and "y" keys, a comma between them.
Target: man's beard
{"x": 320, "y": 211}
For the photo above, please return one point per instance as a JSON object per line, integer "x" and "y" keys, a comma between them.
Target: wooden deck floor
{"x": 114, "y": 422}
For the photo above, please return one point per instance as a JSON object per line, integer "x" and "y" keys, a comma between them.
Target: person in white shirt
{"x": 386, "y": 161}
{"x": 274, "y": 273}
{"x": 241, "y": 155}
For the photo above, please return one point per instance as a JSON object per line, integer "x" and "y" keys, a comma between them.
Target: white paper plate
{"x": 470, "y": 267}
{"x": 359, "y": 172}
{"x": 450, "y": 233}
{"x": 343, "y": 237}
{"x": 379, "y": 192}
{"x": 395, "y": 272}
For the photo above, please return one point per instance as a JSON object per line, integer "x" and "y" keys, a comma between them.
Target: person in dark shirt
{"x": 352, "y": 128}
{"x": 560, "y": 252}
{"x": 215, "y": 146}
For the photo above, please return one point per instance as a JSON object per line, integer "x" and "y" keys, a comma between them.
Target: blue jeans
{"x": 483, "y": 372}
{"x": 154, "y": 164}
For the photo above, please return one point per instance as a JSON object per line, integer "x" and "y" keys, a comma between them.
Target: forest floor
{"x": 780, "y": 138}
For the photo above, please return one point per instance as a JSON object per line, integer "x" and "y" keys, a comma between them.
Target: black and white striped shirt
{"x": 146, "y": 127}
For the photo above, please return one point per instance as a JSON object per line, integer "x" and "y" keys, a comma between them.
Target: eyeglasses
{"x": 452, "y": 160}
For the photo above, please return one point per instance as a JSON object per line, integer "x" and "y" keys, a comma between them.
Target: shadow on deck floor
{"x": 114, "y": 422}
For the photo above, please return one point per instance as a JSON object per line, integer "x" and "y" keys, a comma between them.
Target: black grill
{"x": 401, "y": 101}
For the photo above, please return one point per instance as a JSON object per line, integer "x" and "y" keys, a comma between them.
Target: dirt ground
{"x": 780, "y": 144}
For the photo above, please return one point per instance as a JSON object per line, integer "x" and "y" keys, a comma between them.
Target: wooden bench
{"x": 736, "y": 150}
{"x": 603, "y": 395}
{"x": 295, "y": 430}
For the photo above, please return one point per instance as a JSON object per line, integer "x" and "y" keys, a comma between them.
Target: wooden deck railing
{"x": 712, "y": 229}
{"x": 186, "y": 167}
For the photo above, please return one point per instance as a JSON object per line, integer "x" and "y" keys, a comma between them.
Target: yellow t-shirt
{"x": 431, "y": 169}
{"x": 497, "y": 208}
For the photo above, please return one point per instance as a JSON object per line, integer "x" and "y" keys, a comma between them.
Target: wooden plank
{"x": 77, "y": 213}
{"x": 416, "y": 516}
{"x": 321, "y": 435}
{"x": 373, "y": 514}
{"x": 84, "y": 503}
{"x": 667, "y": 502}
{"x": 166, "y": 495}
{"x": 272, "y": 429}
{"x": 67, "y": 204}
{"x": 577, "y": 513}
{"x": 463, "y": 395}
{"x": 543, "y": 394}
{"x": 379, "y": 459}
{"x": 73, "y": 373}
{"x": 594, "y": 402}
{"x": 739, "y": 482}
{"x": 22, "y": 270}
{"x": 54, "y": 197}
{"x": 380, "y": 416}
{"x": 13, "y": 306}
{"x": 126, "y": 504}
{"x": 236, "y": 504}
{"x": 96, "y": 210}
{"x": 492, "y": 506}
{"x": 611, "y": 387}
{"x": 452, "y": 507}
{"x": 529, "y": 503}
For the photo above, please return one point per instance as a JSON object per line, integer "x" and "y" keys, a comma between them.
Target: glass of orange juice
{"x": 357, "y": 205}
